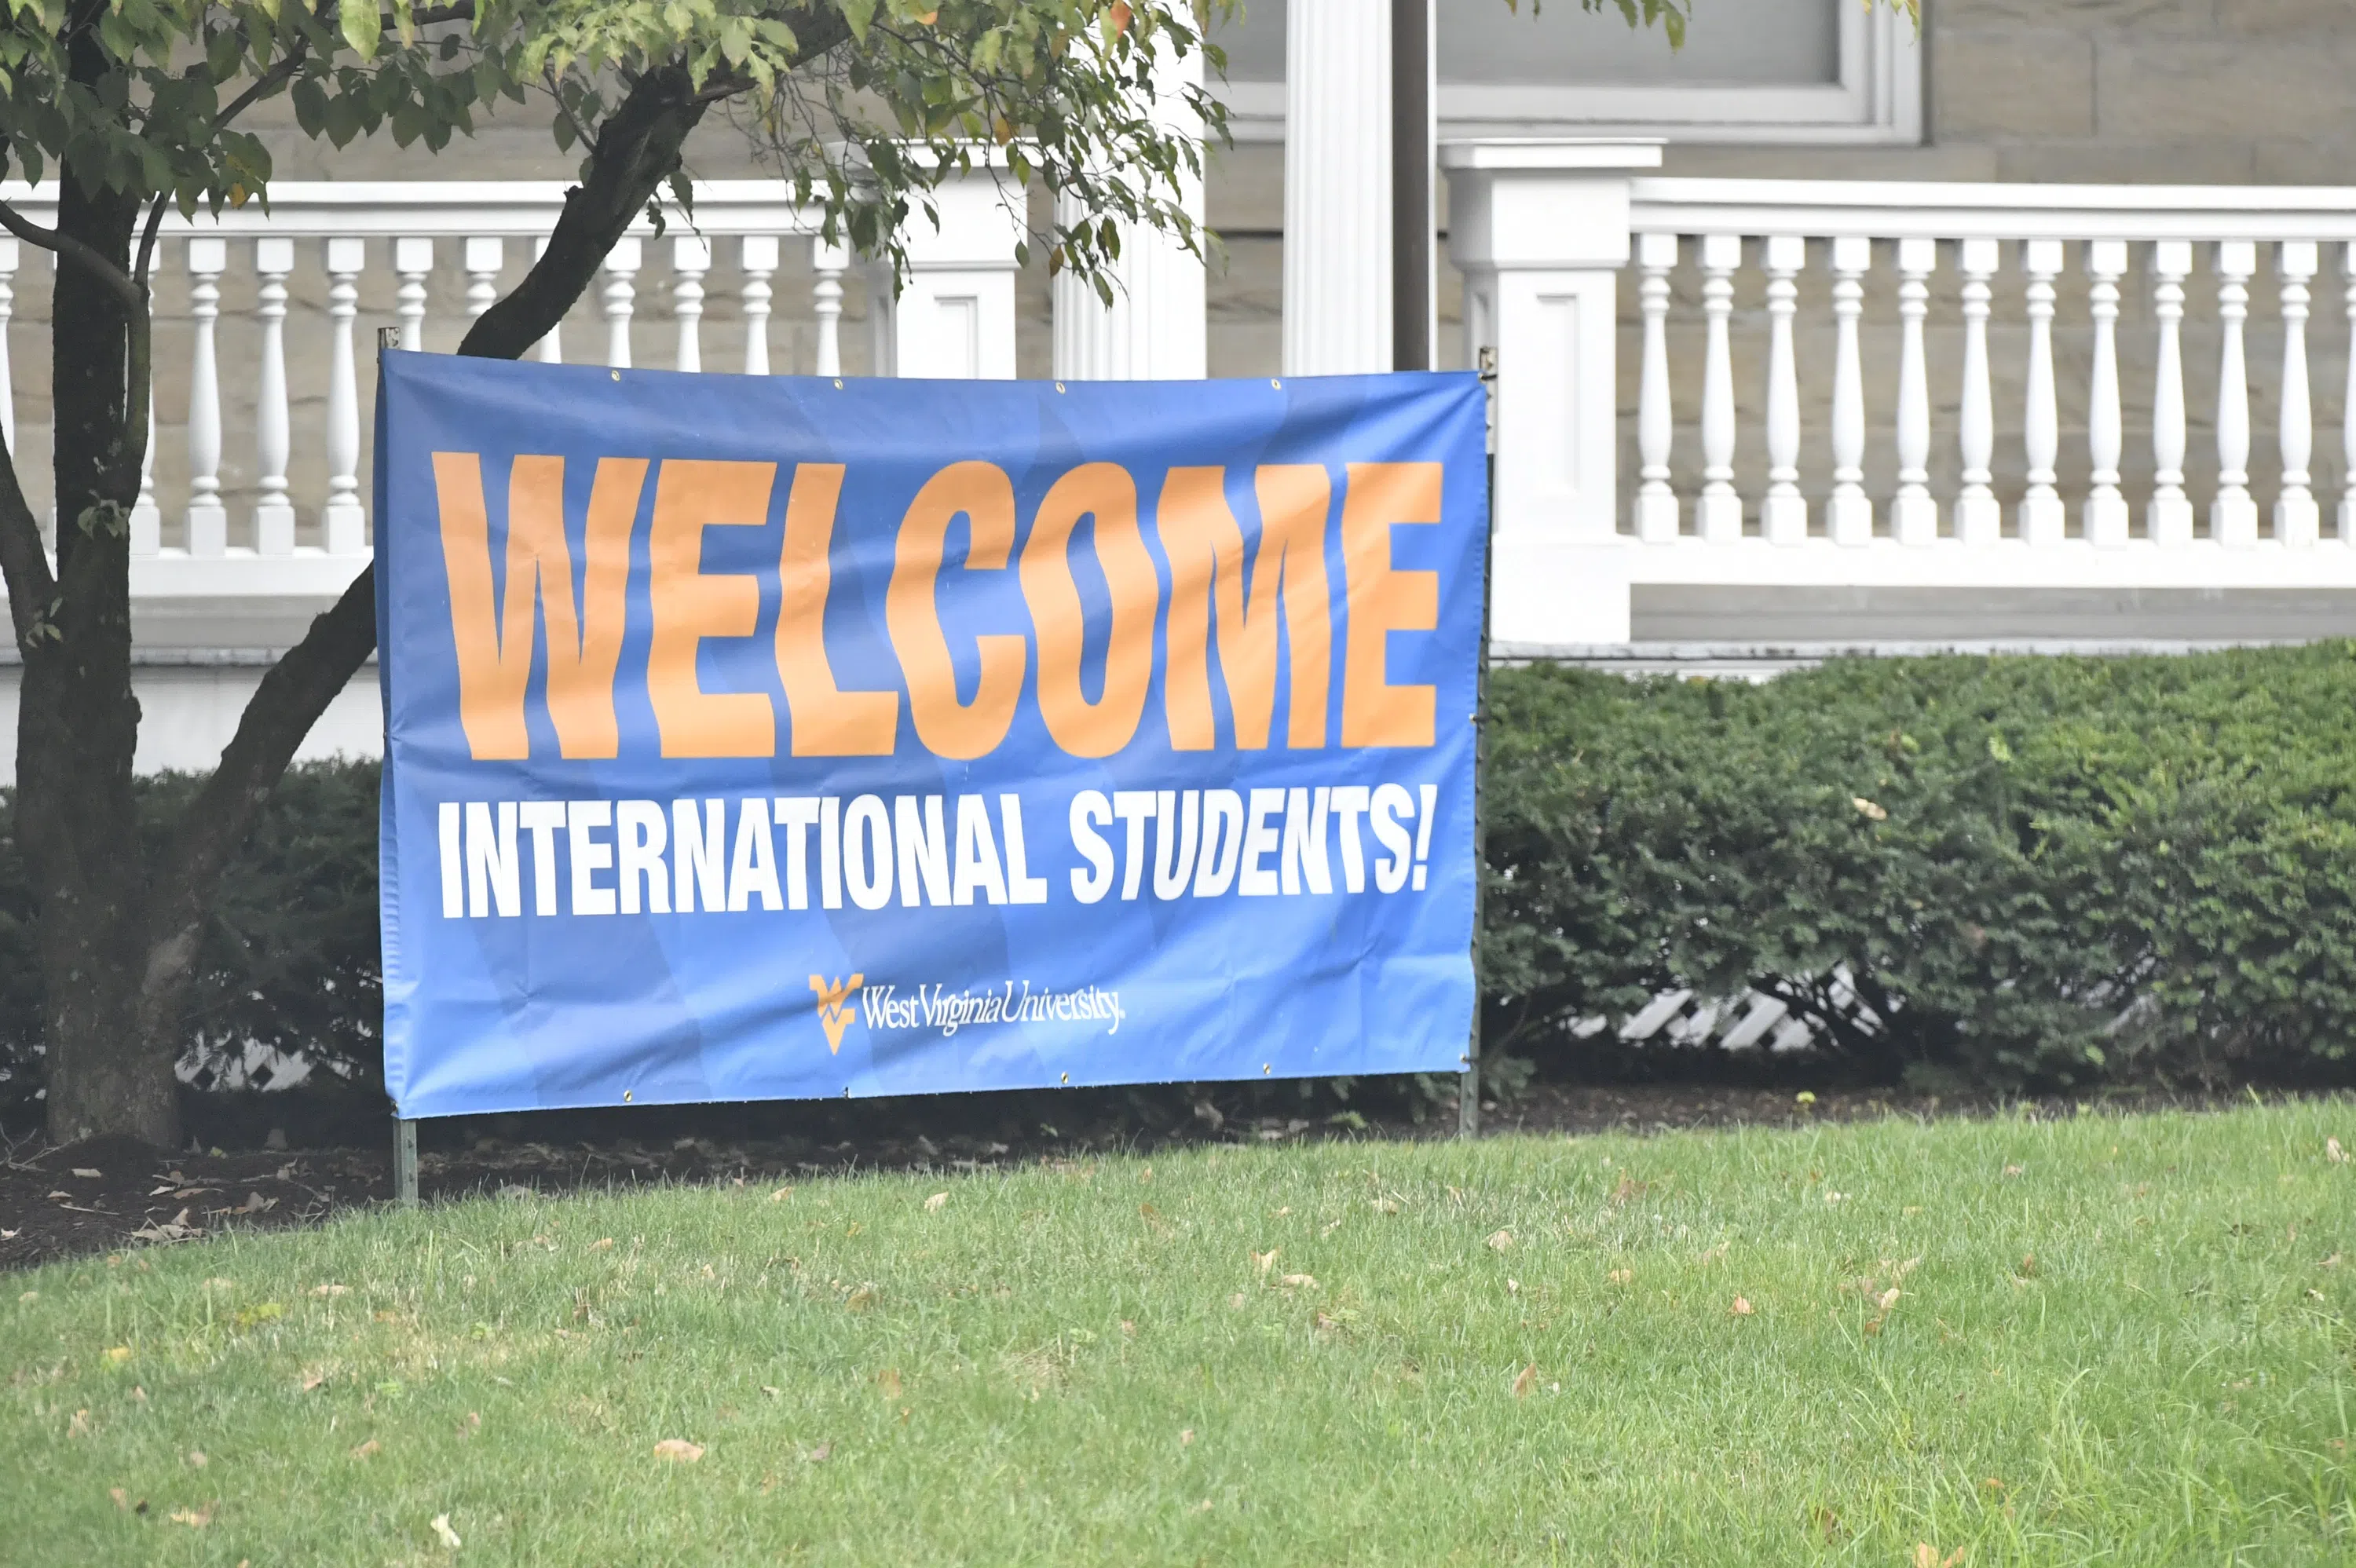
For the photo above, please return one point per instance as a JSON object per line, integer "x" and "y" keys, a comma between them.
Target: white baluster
{"x": 2297, "y": 519}
{"x": 1849, "y": 516}
{"x": 1721, "y": 512}
{"x": 9, "y": 255}
{"x": 621, "y": 267}
{"x": 2347, "y": 404}
{"x": 2170, "y": 520}
{"x": 1914, "y": 515}
{"x": 146, "y": 518}
{"x": 690, "y": 258}
{"x": 2106, "y": 517}
{"x": 551, "y": 347}
{"x": 207, "y": 523}
{"x": 343, "y": 522}
{"x": 485, "y": 255}
{"x": 2042, "y": 518}
{"x": 1784, "y": 516}
{"x": 827, "y": 264}
{"x": 274, "y": 514}
{"x": 1978, "y": 519}
{"x": 2233, "y": 515}
{"x": 1657, "y": 504}
{"x": 413, "y": 263}
{"x": 759, "y": 259}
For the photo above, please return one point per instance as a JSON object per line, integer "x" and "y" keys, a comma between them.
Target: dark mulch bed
{"x": 109, "y": 1195}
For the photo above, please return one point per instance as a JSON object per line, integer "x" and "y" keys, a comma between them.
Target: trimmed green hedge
{"x": 2039, "y": 872}
{"x": 2042, "y": 872}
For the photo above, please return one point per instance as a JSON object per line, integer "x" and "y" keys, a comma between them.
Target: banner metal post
{"x": 404, "y": 1162}
{"x": 1468, "y": 1083}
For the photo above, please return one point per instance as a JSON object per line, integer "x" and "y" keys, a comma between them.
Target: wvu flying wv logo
{"x": 834, "y": 1008}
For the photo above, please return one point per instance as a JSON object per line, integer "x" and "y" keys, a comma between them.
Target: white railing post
{"x": 621, "y": 294}
{"x": 2042, "y": 519}
{"x": 1914, "y": 515}
{"x": 1540, "y": 232}
{"x": 273, "y": 513}
{"x": 691, "y": 259}
{"x": 2170, "y": 520}
{"x": 412, "y": 263}
{"x": 208, "y": 520}
{"x": 827, "y": 264}
{"x": 1848, "y": 517}
{"x": 758, "y": 258}
{"x": 955, "y": 315}
{"x": 343, "y": 524}
{"x": 1657, "y": 504}
{"x": 1979, "y": 521}
{"x": 2348, "y": 402}
{"x": 2233, "y": 515}
{"x": 1719, "y": 515}
{"x": 485, "y": 255}
{"x": 1784, "y": 517}
{"x": 550, "y": 348}
{"x": 1337, "y": 187}
{"x": 2106, "y": 509}
{"x": 2296, "y": 521}
{"x": 147, "y": 517}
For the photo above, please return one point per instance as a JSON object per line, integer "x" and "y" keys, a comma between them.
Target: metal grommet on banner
{"x": 626, "y": 1096}
{"x": 837, "y": 386}
{"x": 618, "y": 375}
{"x": 1059, "y": 385}
{"x": 1277, "y": 383}
{"x": 1067, "y": 1077}
{"x": 1267, "y": 1067}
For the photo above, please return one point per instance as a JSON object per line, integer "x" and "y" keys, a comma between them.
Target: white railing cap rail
{"x": 1905, "y": 210}
{"x": 1537, "y": 155}
{"x": 453, "y": 209}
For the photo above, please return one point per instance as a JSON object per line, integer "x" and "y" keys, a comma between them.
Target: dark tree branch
{"x": 23, "y": 564}
{"x": 77, "y": 252}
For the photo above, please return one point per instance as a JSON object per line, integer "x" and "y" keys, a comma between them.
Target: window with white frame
{"x": 1824, "y": 71}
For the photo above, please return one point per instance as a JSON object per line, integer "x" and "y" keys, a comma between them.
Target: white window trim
{"x": 1877, "y": 102}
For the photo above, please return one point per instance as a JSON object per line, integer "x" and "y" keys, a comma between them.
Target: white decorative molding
{"x": 1337, "y": 188}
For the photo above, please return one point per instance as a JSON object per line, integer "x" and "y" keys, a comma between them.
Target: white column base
{"x": 2298, "y": 520}
{"x": 2233, "y": 521}
{"x": 2170, "y": 520}
{"x": 1979, "y": 520}
{"x": 1915, "y": 520}
{"x": 274, "y": 528}
{"x": 1559, "y": 594}
{"x": 1785, "y": 519}
{"x": 1657, "y": 515}
{"x": 1849, "y": 517}
{"x": 2347, "y": 522}
{"x": 208, "y": 530}
{"x": 343, "y": 527}
{"x": 146, "y": 529}
{"x": 1720, "y": 515}
{"x": 2105, "y": 518}
{"x": 2043, "y": 520}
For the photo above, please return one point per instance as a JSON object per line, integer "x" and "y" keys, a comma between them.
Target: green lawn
{"x": 2115, "y": 1340}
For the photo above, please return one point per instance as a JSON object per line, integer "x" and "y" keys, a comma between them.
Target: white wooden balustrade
{"x": 1542, "y": 229}
{"x": 954, "y": 318}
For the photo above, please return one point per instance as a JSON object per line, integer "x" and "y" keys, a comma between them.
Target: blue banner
{"x": 768, "y": 738}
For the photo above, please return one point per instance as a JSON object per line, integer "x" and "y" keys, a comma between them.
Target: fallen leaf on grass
{"x": 1265, "y": 1261}
{"x": 60, "y": 1194}
{"x": 1868, "y": 809}
{"x": 1186, "y": 1437}
{"x": 331, "y": 1290}
{"x": 442, "y": 1531}
{"x": 118, "y": 1354}
{"x": 933, "y": 1204}
{"x": 860, "y": 1300}
{"x": 1742, "y": 1308}
{"x": 1621, "y": 1276}
{"x": 1236, "y": 1300}
{"x": 1927, "y": 1556}
{"x": 363, "y": 1450}
{"x": 78, "y": 1425}
{"x": 781, "y": 1194}
{"x": 312, "y": 1380}
{"x": 2331, "y": 1262}
{"x": 2027, "y": 1269}
{"x": 86, "y": 1173}
{"x": 255, "y": 1203}
{"x": 888, "y": 1380}
{"x": 195, "y": 1519}
{"x": 1524, "y": 1380}
{"x": 678, "y": 1450}
{"x": 1299, "y": 1282}
{"x": 121, "y": 1499}
{"x": 2333, "y": 1152}
{"x": 1827, "y": 1522}
{"x": 196, "y": 1457}
{"x": 1629, "y": 1189}
{"x": 772, "y": 1391}
{"x": 1500, "y": 1241}
{"x": 8, "y": 1235}
{"x": 819, "y": 1455}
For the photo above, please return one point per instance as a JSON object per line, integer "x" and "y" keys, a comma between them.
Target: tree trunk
{"x": 78, "y": 720}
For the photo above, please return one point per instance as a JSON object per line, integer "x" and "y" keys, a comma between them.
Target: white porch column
{"x": 1338, "y": 187}
{"x": 955, "y": 315}
{"x": 1155, "y": 329}
{"x": 1539, "y": 230}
